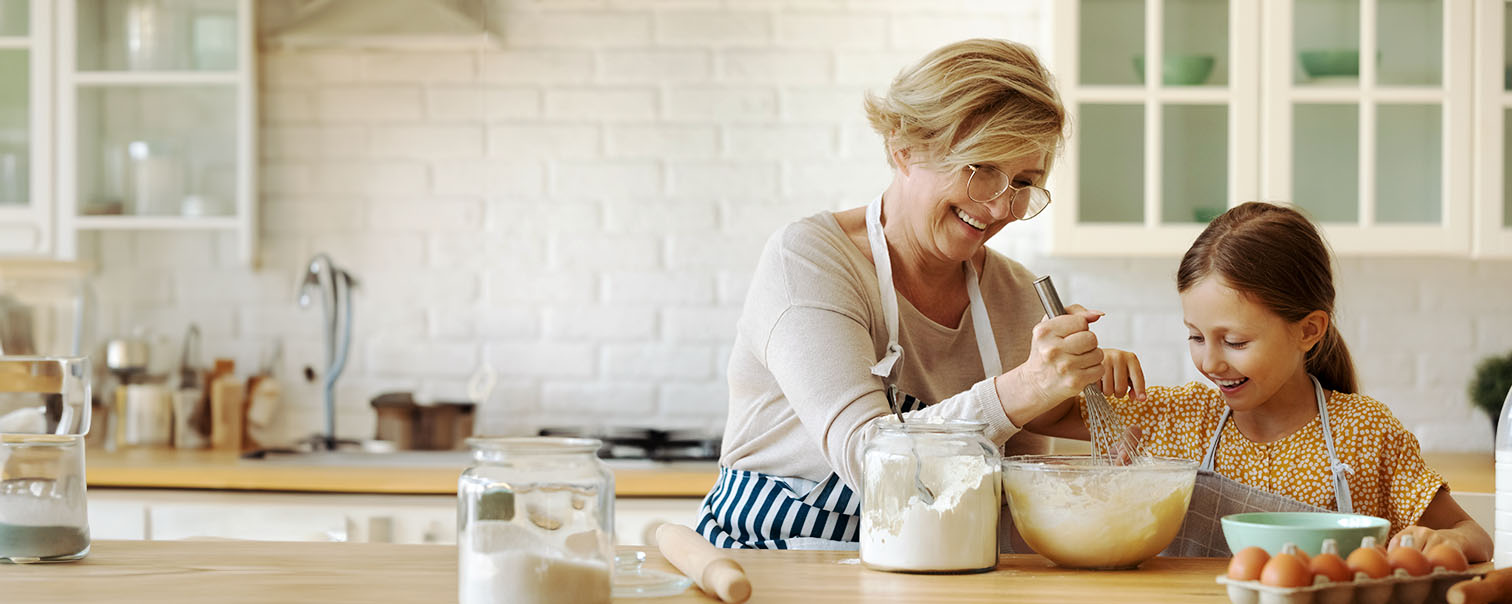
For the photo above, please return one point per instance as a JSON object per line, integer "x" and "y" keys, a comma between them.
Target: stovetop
{"x": 647, "y": 443}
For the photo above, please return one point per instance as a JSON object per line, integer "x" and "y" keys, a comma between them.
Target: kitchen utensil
{"x": 264, "y": 396}
{"x": 715, "y": 573}
{"x": 1110, "y": 436}
{"x": 1271, "y": 530}
{"x": 1089, "y": 512}
{"x": 924, "y": 493}
{"x": 189, "y": 397}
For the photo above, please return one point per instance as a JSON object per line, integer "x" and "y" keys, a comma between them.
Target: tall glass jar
{"x": 43, "y": 516}
{"x": 904, "y": 466}
{"x": 535, "y": 522}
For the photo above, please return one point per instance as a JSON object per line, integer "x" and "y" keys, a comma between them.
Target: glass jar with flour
{"x": 535, "y": 522}
{"x": 44, "y": 414}
{"x": 946, "y": 521}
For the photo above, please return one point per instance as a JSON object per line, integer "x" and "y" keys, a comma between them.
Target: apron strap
{"x": 992, "y": 364}
{"x": 1337, "y": 469}
{"x": 981, "y": 322}
{"x": 878, "y": 241}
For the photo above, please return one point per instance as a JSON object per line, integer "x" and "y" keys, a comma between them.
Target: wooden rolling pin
{"x": 1494, "y": 588}
{"x": 715, "y": 573}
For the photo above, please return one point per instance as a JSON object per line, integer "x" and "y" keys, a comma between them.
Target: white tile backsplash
{"x": 581, "y": 209}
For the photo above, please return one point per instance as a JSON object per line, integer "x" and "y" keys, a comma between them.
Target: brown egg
{"x": 1447, "y": 556}
{"x": 1248, "y": 563}
{"x": 1370, "y": 561}
{"x": 1285, "y": 570}
{"x": 1409, "y": 559}
{"x": 1331, "y": 566}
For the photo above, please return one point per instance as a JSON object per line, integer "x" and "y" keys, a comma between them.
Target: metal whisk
{"x": 1110, "y": 437}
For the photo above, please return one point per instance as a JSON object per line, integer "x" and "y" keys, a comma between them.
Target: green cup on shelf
{"x": 1178, "y": 69}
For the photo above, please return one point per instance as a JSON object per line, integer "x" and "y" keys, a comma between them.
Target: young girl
{"x": 1283, "y": 413}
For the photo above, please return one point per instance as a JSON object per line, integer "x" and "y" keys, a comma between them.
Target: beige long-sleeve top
{"x": 801, "y": 388}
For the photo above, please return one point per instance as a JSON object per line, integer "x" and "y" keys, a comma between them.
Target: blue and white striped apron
{"x": 748, "y": 509}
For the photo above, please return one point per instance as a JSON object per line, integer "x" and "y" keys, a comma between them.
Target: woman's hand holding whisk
{"x": 1063, "y": 359}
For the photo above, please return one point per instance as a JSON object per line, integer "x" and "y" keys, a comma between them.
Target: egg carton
{"x": 1396, "y": 588}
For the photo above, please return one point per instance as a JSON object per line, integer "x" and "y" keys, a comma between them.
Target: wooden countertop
{"x": 168, "y": 572}
{"x": 1465, "y": 472}
{"x": 176, "y": 469}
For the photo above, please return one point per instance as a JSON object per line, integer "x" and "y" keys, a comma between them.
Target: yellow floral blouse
{"x": 1389, "y": 480}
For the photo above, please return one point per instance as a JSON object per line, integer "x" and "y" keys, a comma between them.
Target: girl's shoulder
{"x": 1355, "y": 412}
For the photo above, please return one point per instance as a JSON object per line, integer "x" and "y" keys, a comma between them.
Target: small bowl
{"x": 1331, "y": 63}
{"x": 1178, "y": 70}
{"x": 1272, "y": 530}
{"x": 1086, "y": 512}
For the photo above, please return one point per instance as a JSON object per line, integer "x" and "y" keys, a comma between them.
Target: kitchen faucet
{"x": 335, "y": 287}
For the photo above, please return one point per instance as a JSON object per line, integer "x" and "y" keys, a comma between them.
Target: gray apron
{"x": 1215, "y": 496}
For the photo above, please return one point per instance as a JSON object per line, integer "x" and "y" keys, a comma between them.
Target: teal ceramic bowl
{"x": 1271, "y": 530}
{"x": 1330, "y": 63}
{"x": 1178, "y": 70}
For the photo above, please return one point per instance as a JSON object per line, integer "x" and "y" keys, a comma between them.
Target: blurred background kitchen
{"x": 551, "y": 208}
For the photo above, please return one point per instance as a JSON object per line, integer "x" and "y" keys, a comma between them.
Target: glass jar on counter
{"x": 959, "y": 468}
{"x": 535, "y": 522}
{"x": 43, "y": 517}
{"x": 44, "y": 415}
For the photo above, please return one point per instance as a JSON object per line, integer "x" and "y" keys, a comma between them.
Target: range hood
{"x": 400, "y": 24}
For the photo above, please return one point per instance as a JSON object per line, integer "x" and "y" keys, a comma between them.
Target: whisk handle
{"x": 1048, "y": 298}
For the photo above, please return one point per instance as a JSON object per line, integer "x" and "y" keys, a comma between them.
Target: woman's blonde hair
{"x": 970, "y": 102}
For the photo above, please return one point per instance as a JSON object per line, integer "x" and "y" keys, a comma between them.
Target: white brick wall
{"x": 581, "y": 209}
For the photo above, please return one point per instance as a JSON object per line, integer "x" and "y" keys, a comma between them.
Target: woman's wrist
{"x": 1021, "y": 398}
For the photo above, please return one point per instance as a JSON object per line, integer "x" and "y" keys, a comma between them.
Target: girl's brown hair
{"x": 1275, "y": 256}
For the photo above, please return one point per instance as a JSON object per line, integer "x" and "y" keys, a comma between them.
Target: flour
{"x": 958, "y": 532}
{"x": 36, "y": 523}
{"x": 1111, "y": 519}
{"x": 506, "y": 562}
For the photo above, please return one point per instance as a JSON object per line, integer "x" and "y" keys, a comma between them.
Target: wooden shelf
{"x": 157, "y": 78}
{"x": 156, "y": 223}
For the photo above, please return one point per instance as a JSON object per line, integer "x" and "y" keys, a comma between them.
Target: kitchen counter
{"x": 166, "y": 572}
{"x": 188, "y": 469}
{"x": 175, "y": 469}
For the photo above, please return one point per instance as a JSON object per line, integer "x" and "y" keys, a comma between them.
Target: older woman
{"x": 900, "y": 295}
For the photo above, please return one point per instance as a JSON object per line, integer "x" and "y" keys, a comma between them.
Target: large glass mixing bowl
{"x": 1087, "y": 512}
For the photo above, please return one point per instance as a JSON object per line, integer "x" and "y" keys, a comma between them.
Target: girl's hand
{"x": 1424, "y": 538}
{"x": 1122, "y": 374}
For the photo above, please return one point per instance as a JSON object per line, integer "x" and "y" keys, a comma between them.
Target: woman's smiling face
{"x": 945, "y": 222}
{"x": 1245, "y": 349}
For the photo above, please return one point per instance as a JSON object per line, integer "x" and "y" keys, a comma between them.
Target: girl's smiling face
{"x": 1249, "y": 352}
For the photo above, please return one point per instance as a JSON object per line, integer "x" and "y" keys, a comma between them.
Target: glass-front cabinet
{"x": 156, "y": 124}
{"x": 1493, "y": 117}
{"x": 25, "y": 136}
{"x": 1377, "y": 150}
{"x": 1165, "y": 101}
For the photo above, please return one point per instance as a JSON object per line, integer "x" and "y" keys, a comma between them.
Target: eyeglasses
{"x": 987, "y": 183}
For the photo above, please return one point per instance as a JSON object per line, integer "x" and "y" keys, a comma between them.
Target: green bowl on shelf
{"x": 1272, "y": 530}
{"x": 1331, "y": 63}
{"x": 1178, "y": 69}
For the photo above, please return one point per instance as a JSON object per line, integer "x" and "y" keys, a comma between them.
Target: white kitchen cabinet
{"x": 1381, "y": 152}
{"x": 25, "y": 127}
{"x": 156, "y": 118}
{"x": 265, "y": 516}
{"x": 1493, "y": 132}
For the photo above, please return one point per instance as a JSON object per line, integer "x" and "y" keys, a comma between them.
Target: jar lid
{"x": 633, "y": 580}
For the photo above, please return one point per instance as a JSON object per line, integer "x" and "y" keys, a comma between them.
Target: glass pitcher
{"x": 535, "y": 522}
{"x": 44, "y": 415}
